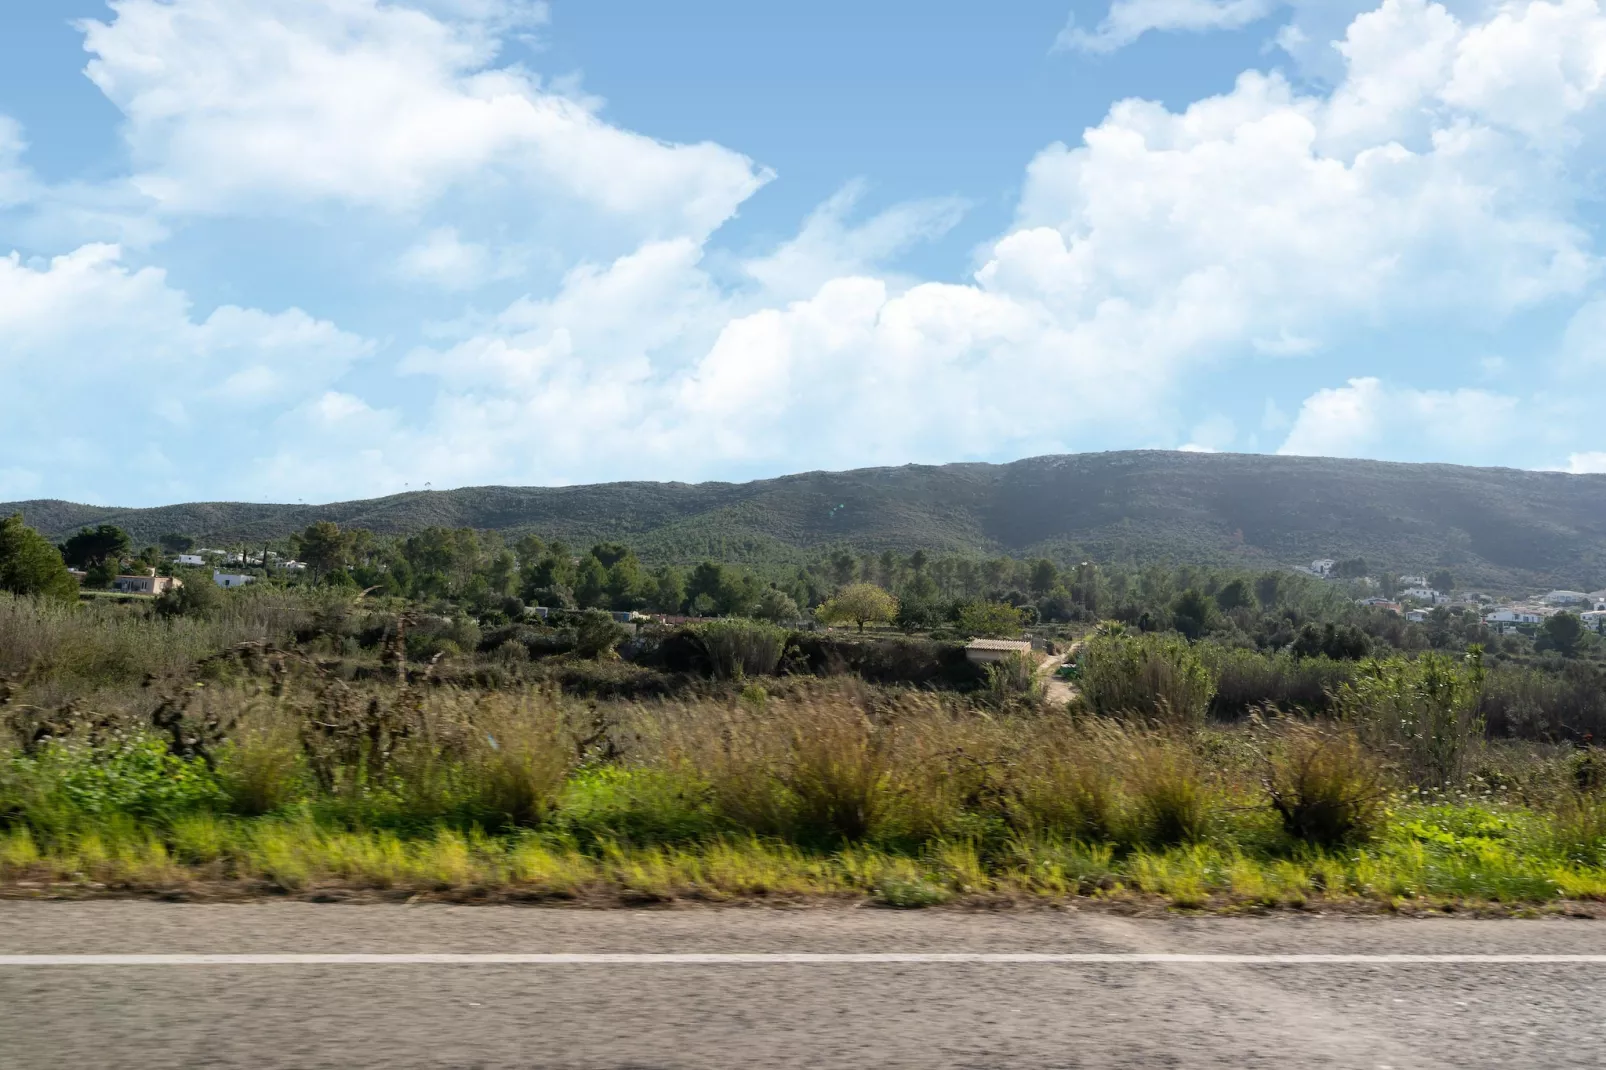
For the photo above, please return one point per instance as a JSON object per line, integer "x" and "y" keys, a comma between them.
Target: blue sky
{"x": 321, "y": 249}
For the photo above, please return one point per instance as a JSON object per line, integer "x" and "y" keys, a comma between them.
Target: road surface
{"x": 828, "y": 987}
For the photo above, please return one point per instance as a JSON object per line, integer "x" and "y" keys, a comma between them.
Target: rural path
{"x": 821, "y": 987}
{"x": 1056, "y": 691}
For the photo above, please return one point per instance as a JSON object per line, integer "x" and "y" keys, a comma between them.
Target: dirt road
{"x": 783, "y": 989}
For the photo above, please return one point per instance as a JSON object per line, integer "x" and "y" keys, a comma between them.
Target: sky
{"x": 314, "y": 250}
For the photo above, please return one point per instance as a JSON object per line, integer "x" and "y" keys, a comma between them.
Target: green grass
{"x": 286, "y": 855}
{"x": 617, "y": 836}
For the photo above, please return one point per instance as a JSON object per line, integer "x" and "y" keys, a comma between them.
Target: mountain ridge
{"x": 1494, "y": 526}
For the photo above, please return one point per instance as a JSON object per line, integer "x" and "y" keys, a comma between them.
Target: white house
{"x": 147, "y": 582}
{"x": 228, "y": 579}
{"x": 1595, "y": 618}
{"x": 1413, "y": 581}
{"x": 1322, "y": 566}
{"x": 984, "y": 651}
{"x": 1505, "y": 620}
{"x": 1419, "y": 615}
{"x": 189, "y": 559}
{"x": 1565, "y": 598}
{"x": 1424, "y": 594}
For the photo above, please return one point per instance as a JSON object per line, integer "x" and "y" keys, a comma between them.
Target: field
{"x": 265, "y": 750}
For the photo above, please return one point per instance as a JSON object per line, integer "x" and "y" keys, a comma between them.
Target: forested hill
{"x": 1493, "y": 526}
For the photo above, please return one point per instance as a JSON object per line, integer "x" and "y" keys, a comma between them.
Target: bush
{"x": 1528, "y": 703}
{"x": 69, "y": 784}
{"x": 197, "y": 599}
{"x": 1425, "y": 710}
{"x": 732, "y": 649}
{"x": 1013, "y": 678}
{"x": 1324, "y": 785}
{"x": 261, "y": 767}
{"x": 1246, "y": 680}
{"x": 921, "y": 662}
{"x": 1173, "y": 801}
{"x": 1157, "y": 677}
{"x": 521, "y": 758}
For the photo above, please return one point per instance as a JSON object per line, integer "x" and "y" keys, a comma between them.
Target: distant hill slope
{"x": 1493, "y": 526}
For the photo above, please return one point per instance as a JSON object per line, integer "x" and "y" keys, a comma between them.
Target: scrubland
{"x": 253, "y": 753}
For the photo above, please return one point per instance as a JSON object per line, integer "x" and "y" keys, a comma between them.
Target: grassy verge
{"x": 1430, "y": 857}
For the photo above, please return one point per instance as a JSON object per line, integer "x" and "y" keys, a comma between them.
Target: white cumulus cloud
{"x": 237, "y": 105}
{"x": 1592, "y": 462}
{"x": 1128, "y": 20}
{"x": 98, "y": 354}
{"x": 1366, "y": 416}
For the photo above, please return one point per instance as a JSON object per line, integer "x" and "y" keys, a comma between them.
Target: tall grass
{"x": 67, "y": 652}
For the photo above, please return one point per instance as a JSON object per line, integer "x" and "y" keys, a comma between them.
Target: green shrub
{"x": 261, "y": 767}
{"x": 1425, "y": 710}
{"x": 62, "y": 786}
{"x": 1246, "y": 679}
{"x": 1152, "y": 677}
{"x": 737, "y": 648}
{"x": 1012, "y": 679}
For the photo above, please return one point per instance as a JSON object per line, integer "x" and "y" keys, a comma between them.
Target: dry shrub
{"x": 521, "y": 755}
{"x": 261, "y": 767}
{"x": 1063, "y": 784}
{"x": 1324, "y": 784}
{"x": 826, "y": 763}
{"x": 1172, "y": 801}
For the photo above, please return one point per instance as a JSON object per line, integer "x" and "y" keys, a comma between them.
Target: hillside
{"x": 1494, "y": 526}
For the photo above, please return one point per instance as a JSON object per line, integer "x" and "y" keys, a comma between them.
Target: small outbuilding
{"x": 986, "y": 651}
{"x": 145, "y": 583}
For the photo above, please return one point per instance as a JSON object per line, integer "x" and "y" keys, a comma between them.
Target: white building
{"x": 1595, "y": 618}
{"x": 1419, "y": 615}
{"x": 1425, "y": 594}
{"x": 229, "y": 580}
{"x": 984, "y": 651}
{"x": 147, "y": 582}
{"x": 1322, "y": 566}
{"x": 1413, "y": 581}
{"x": 1505, "y": 620}
{"x": 189, "y": 559}
{"x": 1565, "y": 598}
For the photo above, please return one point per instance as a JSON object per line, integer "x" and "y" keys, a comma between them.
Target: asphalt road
{"x": 1255, "y": 1008}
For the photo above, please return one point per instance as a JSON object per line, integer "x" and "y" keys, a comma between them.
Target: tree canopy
{"x": 858, "y": 603}
{"x": 29, "y": 565}
{"x": 105, "y": 543}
